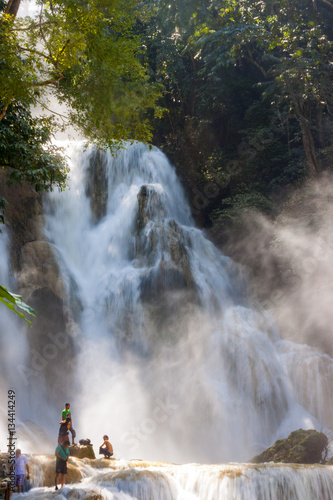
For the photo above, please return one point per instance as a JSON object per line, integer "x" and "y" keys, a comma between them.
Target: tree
{"x": 26, "y": 152}
{"x": 288, "y": 43}
{"x": 85, "y": 54}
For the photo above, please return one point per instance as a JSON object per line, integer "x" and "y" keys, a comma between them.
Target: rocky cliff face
{"x": 168, "y": 289}
{"x": 38, "y": 280}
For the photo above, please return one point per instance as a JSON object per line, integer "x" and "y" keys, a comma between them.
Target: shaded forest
{"x": 248, "y": 93}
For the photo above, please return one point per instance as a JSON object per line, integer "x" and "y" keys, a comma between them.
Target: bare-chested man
{"x": 108, "y": 450}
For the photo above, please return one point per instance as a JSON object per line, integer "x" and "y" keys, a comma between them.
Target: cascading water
{"x": 167, "y": 357}
{"x": 171, "y": 362}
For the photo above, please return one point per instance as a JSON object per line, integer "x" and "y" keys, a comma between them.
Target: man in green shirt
{"x": 62, "y": 454}
{"x": 66, "y": 412}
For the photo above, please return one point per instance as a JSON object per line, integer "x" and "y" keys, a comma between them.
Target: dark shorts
{"x": 106, "y": 452}
{"x": 72, "y": 432}
{"x": 61, "y": 466}
{"x": 19, "y": 479}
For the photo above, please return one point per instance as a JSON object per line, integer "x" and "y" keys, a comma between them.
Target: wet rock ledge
{"x": 300, "y": 447}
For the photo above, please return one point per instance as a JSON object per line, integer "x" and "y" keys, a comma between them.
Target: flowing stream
{"x": 170, "y": 360}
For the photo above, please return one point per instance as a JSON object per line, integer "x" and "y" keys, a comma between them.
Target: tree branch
{"x": 47, "y": 82}
{"x": 327, "y": 2}
{"x": 34, "y": 26}
{"x": 12, "y": 7}
{"x": 63, "y": 117}
{"x": 37, "y": 52}
{"x": 257, "y": 65}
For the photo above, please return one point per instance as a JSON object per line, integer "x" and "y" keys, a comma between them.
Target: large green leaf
{"x": 11, "y": 300}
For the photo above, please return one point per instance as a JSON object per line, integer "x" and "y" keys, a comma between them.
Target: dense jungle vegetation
{"x": 246, "y": 88}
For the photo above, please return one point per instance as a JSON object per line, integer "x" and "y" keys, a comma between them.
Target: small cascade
{"x": 311, "y": 374}
{"x": 124, "y": 480}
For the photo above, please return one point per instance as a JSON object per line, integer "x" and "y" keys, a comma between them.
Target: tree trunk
{"x": 320, "y": 125}
{"x": 13, "y": 7}
{"x": 309, "y": 148}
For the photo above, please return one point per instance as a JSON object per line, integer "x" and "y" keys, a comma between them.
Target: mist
{"x": 289, "y": 261}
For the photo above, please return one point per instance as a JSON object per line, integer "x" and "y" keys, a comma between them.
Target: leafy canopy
{"x": 86, "y": 55}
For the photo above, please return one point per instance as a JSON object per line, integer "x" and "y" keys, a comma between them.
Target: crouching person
{"x": 62, "y": 454}
{"x": 106, "y": 448}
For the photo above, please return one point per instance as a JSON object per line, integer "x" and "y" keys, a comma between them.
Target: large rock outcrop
{"x": 38, "y": 279}
{"x": 168, "y": 290}
{"x": 82, "y": 451}
{"x": 301, "y": 447}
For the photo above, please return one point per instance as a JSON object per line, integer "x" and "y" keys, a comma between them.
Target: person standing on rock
{"x": 21, "y": 465}
{"x": 108, "y": 450}
{"x": 62, "y": 454}
{"x": 66, "y": 413}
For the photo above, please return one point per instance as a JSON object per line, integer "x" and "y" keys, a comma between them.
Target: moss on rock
{"x": 301, "y": 447}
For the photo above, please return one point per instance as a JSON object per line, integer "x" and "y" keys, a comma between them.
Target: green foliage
{"x": 87, "y": 54}
{"x": 239, "y": 204}
{"x": 12, "y": 301}
{"x": 84, "y": 54}
{"x": 26, "y": 153}
{"x": 3, "y": 205}
{"x": 248, "y": 89}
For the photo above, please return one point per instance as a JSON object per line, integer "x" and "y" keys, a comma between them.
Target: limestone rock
{"x": 96, "y": 186}
{"x": 82, "y": 451}
{"x": 301, "y": 447}
{"x": 38, "y": 280}
{"x": 39, "y": 269}
{"x": 81, "y": 494}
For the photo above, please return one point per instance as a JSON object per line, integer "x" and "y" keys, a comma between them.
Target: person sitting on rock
{"x": 108, "y": 450}
{"x": 66, "y": 413}
{"x": 64, "y": 430}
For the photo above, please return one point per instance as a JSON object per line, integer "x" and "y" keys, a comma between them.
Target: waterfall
{"x": 170, "y": 360}
{"x": 160, "y": 348}
{"x": 13, "y": 342}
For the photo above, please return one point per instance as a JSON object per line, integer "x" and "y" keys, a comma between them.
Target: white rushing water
{"x": 169, "y": 359}
{"x": 172, "y": 364}
{"x": 126, "y": 480}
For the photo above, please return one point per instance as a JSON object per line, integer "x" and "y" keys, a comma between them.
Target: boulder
{"x": 301, "y": 447}
{"x": 82, "y": 451}
{"x": 43, "y": 475}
